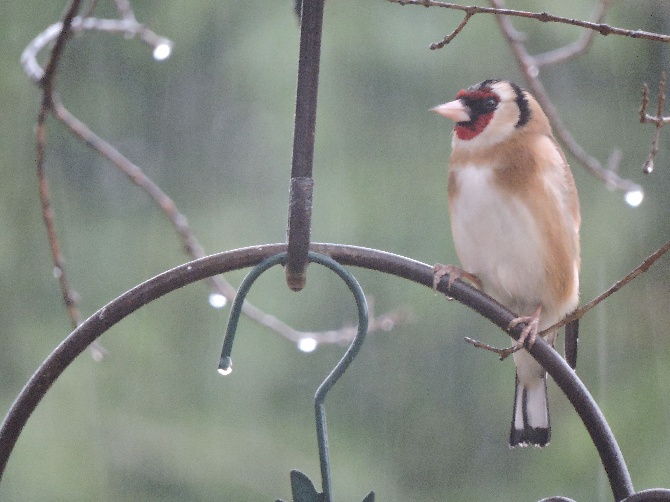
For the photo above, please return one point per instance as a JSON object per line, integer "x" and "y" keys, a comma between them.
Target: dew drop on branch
{"x": 634, "y": 197}
{"x": 162, "y": 51}
{"x": 307, "y": 344}
{"x": 225, "y": 366}
{"x": 217, "y": 300}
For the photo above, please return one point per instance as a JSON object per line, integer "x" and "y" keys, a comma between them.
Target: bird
{"x": 515, "y": 217}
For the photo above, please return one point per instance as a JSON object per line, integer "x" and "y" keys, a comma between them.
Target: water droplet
{"x": 634, "y": 197}
{"x": 217, "y": 300}
{"x": 162, "y": 51}
{"x": 97, "y": 355}
{"x": 189, "y": 268}
{"x": 648, "y": 167}
{"x": 225, "y": 366}
{"x": 307, "y": 344}
{"x": 533, "y": 71}
{"x": 58, "y": 272}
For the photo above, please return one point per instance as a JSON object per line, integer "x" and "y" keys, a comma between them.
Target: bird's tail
{"x": 530, "y": 421}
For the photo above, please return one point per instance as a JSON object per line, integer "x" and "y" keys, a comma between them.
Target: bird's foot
{"x": 529, "y": 333}
{"x": 454, "y": 273}
{"x": 503, "y": 353}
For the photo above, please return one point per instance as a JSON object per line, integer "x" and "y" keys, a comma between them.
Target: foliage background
{"x": 420, "y": 415}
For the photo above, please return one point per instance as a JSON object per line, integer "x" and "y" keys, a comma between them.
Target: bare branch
{"x": 61, "y": 35}
{"x": 130, "y": 27}
{"x": 70, "y": 297}
{"x": 602, "y": 28}
{"x": 502, "y": 353}
{"x": 645, "y": 102}
{"x": 46, "y": 82}
{"x": 530, "y": 71}
{"x": 195, "y": 250}
{"x": 659, "y": 120}
{"x": 452, "y": 35}
{"x": 643, "y": 267}
{"x": 125, "y": 10}
{"x": 579, "y": 46}
{"x": 530, "y": 66}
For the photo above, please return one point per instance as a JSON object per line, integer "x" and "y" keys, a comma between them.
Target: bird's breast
{"x": 498, "y": 238}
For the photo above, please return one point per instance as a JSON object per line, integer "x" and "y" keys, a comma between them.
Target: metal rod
{"x": 129, "y": 302}
{"x": 301, "y": 188}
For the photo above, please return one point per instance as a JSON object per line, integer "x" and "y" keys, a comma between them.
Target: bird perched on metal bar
{"x": 515, "y": 222}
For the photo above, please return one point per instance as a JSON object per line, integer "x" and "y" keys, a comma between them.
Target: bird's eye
{"x": 490, "y": 104}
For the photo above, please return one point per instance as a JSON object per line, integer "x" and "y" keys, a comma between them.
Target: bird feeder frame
{"x": 295, "y": 256}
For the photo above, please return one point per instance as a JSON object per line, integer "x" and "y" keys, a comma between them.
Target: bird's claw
{"x": 529, "y": 333}
{"x": 454, "y": 273}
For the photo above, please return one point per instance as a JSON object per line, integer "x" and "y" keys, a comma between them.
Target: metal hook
{"x": 225, "y": 362}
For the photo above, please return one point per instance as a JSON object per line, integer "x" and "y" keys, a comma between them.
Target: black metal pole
{"x": 301, "y": 188}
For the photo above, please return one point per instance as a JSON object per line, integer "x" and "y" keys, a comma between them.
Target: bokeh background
{"x": 420, "y": 415}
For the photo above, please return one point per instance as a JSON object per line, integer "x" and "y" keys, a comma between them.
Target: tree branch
{"x": 640, "y": 269}
{"x": 530, "y": 67}
{"x": 659, "y": 120}
{"x": 530, "y": 71}
{"x": 129, "y": 26}
{"x": 545, "y": 17}
{"x": 452, "y": 35}
{"x": 579, "y": 46}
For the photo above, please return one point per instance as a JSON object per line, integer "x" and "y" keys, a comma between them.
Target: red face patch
{"x": 469, "y": 130}
{"x": 481, "y": 108}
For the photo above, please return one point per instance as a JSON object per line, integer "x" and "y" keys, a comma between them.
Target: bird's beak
{"x": 455, "y": 110}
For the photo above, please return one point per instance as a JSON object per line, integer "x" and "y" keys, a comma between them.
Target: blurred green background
{"x": 420, "y": 415}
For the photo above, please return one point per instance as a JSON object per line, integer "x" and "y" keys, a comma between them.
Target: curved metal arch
{"x": 75, "y": 343}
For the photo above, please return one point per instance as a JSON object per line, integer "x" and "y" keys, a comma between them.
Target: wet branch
{"x": 659, "y": 120}
{"x": 530, "y": 66}
{"x": 640, "y": 269}
{"x": 51, "y": 105}
{"x": 545, "y": 17}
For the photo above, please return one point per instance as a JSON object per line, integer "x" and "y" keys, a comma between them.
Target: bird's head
{"x": 489, "y": 112}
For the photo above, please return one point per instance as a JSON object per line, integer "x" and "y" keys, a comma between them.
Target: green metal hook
{"x": 226, "y": 365}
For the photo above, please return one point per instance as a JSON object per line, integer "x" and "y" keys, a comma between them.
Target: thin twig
{"x": 643, "y": 267}
{"x": 645, "y": 102}
{"x": 503, "y": 353}
{"x": 452, "y": 35}
{"x": 125, "y": 9}
{"x": 48, "y": 75}
{"x": 602, "y": 28}
{"x": 128, "y": 26}
{"x": 579, "y": 46}
{"x": 46, "y": 82}
{"x": 659, "y": 120}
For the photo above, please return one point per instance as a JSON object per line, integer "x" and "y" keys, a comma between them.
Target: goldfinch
{"x": 515, "y": 220}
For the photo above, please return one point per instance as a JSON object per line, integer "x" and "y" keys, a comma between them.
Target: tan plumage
{"x": 515, "y": 221}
